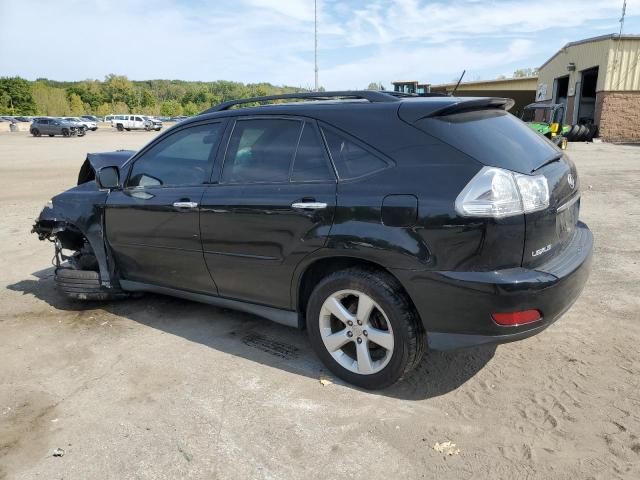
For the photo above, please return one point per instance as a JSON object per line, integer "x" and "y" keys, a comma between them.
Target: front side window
{"x": 182, "y": 158}
{"x": 351, "y": 160}
{"x": 138, "y": 119}
{"x": 261, "y": 151}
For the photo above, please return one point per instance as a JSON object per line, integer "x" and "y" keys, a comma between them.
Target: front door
{"x": 273, "y": 204}
{"x": 152, "y": 224}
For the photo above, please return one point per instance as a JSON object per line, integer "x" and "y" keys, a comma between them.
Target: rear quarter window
{"x": 493, "y": 137}
{"x": 351, "y": 159}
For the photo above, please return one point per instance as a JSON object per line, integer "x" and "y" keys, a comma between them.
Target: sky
{"x": 272, "y": 40}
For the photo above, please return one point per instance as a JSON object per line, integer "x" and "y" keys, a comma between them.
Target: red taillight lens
{"x": 510, "y": 319}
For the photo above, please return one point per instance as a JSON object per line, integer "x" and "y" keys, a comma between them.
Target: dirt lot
{"x": 163, "y": 388}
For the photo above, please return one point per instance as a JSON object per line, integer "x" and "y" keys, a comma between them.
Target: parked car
{"x": 152, "y": 123}
{"x": 129, "y": 122}
{"x": 55, "y": 126}
{"x": 91, "y": 118}
{"x": 82, "y": 122}
{"x": 381, "y": 224}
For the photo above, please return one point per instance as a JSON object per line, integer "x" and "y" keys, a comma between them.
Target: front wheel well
{"x": 315, "y": 272}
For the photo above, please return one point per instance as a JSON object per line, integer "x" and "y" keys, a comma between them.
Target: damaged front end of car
{"x": 74, "y": 222}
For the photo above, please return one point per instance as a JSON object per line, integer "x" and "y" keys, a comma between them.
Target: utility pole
{"x": 615, "y": 55}
{"x": 315, "y": 40}
{"x": 624, "y": 11}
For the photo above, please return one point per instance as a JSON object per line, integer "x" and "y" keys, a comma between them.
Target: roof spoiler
{"x": 414, "y": 111}
{"x": 474, "y": 104}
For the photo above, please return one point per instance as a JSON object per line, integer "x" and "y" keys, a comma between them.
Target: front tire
{"x": 65, "y": 132}
{"x": 84, "y": 285}
{"x": 364, "y": 328}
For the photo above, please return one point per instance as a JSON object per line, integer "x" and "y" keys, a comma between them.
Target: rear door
{"x": 153, "y": 224}
{"x": 44, "y": 127}
{"x": 273, "y": 203}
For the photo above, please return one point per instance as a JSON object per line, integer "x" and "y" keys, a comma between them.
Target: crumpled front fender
{"x": 77, "y": 213}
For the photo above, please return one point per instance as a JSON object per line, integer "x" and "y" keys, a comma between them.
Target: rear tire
{"x": 35, "y": 132}
{"x": 84, "y": 285}
{"x": 582, "y": 133}
{"x": 356, "y": 357}
{"x": 571, "y": 135}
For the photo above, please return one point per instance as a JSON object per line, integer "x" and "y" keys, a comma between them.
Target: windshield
{"x": 493, "y": 137}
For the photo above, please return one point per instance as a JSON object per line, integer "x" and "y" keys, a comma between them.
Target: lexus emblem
{"x": 571, "y": 181}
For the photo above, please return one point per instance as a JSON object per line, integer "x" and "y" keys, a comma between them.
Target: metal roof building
{"x": 522, "y": 90}
{"x": 598, "y": 79}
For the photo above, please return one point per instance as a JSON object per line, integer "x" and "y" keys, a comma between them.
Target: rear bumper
{"x": 456, "y": 307}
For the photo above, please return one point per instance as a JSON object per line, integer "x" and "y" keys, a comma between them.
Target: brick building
{"x": 598, "y": 80}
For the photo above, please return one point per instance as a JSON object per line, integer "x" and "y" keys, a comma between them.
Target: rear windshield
{"x": 493, "y": 137}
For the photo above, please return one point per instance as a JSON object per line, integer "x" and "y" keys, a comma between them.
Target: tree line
{"x": 117, "y": 94}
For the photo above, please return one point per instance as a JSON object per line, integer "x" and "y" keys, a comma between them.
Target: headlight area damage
{"x": 74, "y": 222}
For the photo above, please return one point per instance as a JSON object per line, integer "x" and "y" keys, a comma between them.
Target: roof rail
{"x": 372, "y": 96}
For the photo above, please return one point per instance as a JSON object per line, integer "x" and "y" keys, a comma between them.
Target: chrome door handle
{"x": 185, "y": 204}
{"x": 309, "y": 205}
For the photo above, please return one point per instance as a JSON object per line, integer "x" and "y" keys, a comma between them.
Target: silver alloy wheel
{"x": 357, "y": 335}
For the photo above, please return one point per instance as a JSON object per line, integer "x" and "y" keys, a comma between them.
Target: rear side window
{"x": 351, "y": 160}
{"x": 261, "y": 151}
{"x": 310, "y": 164}
{"x": 493, "y": 137}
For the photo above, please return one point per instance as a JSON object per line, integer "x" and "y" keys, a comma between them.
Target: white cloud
{"x": 272, "y": 40}
{"x": 423, "y": 63}
{"x": 382, "y": 22}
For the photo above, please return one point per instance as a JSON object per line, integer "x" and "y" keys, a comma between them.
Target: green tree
{"x": 104, "y": 109}
{"x": 50, "y": 100}
{"x": 373, "y": 86}
{"x": 170, "y": 108}
{"x": 75, "y": 105}
{"x": 118, "y": 88}
{"x": 191, "y": 108}
{"x": 119, "y": 108}
{"x": 525, "y": 72}
{"x": 16, "y": 96}
{"x": 148, "y": 100}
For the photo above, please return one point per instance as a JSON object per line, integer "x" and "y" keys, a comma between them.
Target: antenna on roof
{"x": 458, "y": 84}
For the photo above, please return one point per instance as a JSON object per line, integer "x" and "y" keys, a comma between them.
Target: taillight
{"x": 512, "y": 319}
{"x": 495, "y": 192}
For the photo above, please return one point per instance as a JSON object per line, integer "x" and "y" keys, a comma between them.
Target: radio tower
{"x": 315, "y": 40}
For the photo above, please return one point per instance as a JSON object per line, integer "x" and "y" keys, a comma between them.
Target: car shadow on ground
{"x": 257, "y": 339}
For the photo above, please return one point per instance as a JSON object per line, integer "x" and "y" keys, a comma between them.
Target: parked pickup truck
{"x": 135, "y": 122}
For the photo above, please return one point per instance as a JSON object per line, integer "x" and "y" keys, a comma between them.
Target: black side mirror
{"x": 108, "y": 178}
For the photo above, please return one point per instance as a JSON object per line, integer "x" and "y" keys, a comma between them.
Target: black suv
{"x": 382, "y": 224}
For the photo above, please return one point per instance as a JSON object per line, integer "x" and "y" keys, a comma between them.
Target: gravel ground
{"x": 162, "y": 388}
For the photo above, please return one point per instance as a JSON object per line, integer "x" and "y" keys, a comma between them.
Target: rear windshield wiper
{"x": 555, "y": 158}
